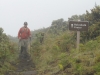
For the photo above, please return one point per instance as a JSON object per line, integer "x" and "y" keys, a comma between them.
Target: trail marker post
{"x": 78, "y": 26}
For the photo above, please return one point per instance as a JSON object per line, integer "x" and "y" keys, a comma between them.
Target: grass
{"x": 55, "y": 59}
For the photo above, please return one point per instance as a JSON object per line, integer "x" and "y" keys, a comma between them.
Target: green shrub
{"x": 97, "y": 67}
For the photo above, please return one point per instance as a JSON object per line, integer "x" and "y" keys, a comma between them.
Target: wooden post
{"x": 78, "y": 39}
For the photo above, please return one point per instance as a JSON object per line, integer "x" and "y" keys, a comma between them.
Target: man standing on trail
{"x": 24, "y": 35}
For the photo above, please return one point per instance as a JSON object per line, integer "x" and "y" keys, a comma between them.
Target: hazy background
{"x": 39, "y": 13}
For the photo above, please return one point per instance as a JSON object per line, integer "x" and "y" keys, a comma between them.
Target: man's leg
{"x": 22, "y": 48}
{"x": 26, "y": 48}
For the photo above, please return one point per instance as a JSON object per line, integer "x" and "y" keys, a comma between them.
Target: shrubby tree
{"x": 94, "y": 24}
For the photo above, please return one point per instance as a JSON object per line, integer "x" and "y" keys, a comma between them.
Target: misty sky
{"x": 39, "y": 13}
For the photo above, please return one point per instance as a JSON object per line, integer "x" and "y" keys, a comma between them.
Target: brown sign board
{"x": 78, "y": 25}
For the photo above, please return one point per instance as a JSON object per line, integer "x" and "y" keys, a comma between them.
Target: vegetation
{"x": 57, "y": 54}
{"x": 7, "y": 53}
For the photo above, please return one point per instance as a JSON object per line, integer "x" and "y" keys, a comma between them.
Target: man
{"x": 24, "y": 34}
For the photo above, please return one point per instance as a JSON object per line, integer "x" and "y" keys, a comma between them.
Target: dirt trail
{"x": 24, "y": 66}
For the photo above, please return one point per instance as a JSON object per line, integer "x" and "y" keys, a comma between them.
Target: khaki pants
{"x": 23, "y": 48}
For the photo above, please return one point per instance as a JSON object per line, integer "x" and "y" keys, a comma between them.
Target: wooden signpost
{"x": 78, "y": 26}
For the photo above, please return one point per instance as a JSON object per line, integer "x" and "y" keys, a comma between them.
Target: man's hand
{"x": 30, "y": 38}
{"x": 19, "y": 38}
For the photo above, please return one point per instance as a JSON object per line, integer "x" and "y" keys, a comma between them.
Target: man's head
{"x": 25, "y": 24}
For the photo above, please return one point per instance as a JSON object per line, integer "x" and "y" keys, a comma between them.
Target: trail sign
{"x": 78, "y": 25}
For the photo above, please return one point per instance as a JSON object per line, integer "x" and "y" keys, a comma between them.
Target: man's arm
{"x": 29, "y": 32}
{"x": 19, "y": 33}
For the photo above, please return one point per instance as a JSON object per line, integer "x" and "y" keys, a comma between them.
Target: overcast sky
{"x": 39, "y": 13}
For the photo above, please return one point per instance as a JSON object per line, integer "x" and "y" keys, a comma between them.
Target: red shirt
{"x": 24, "y": 33}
